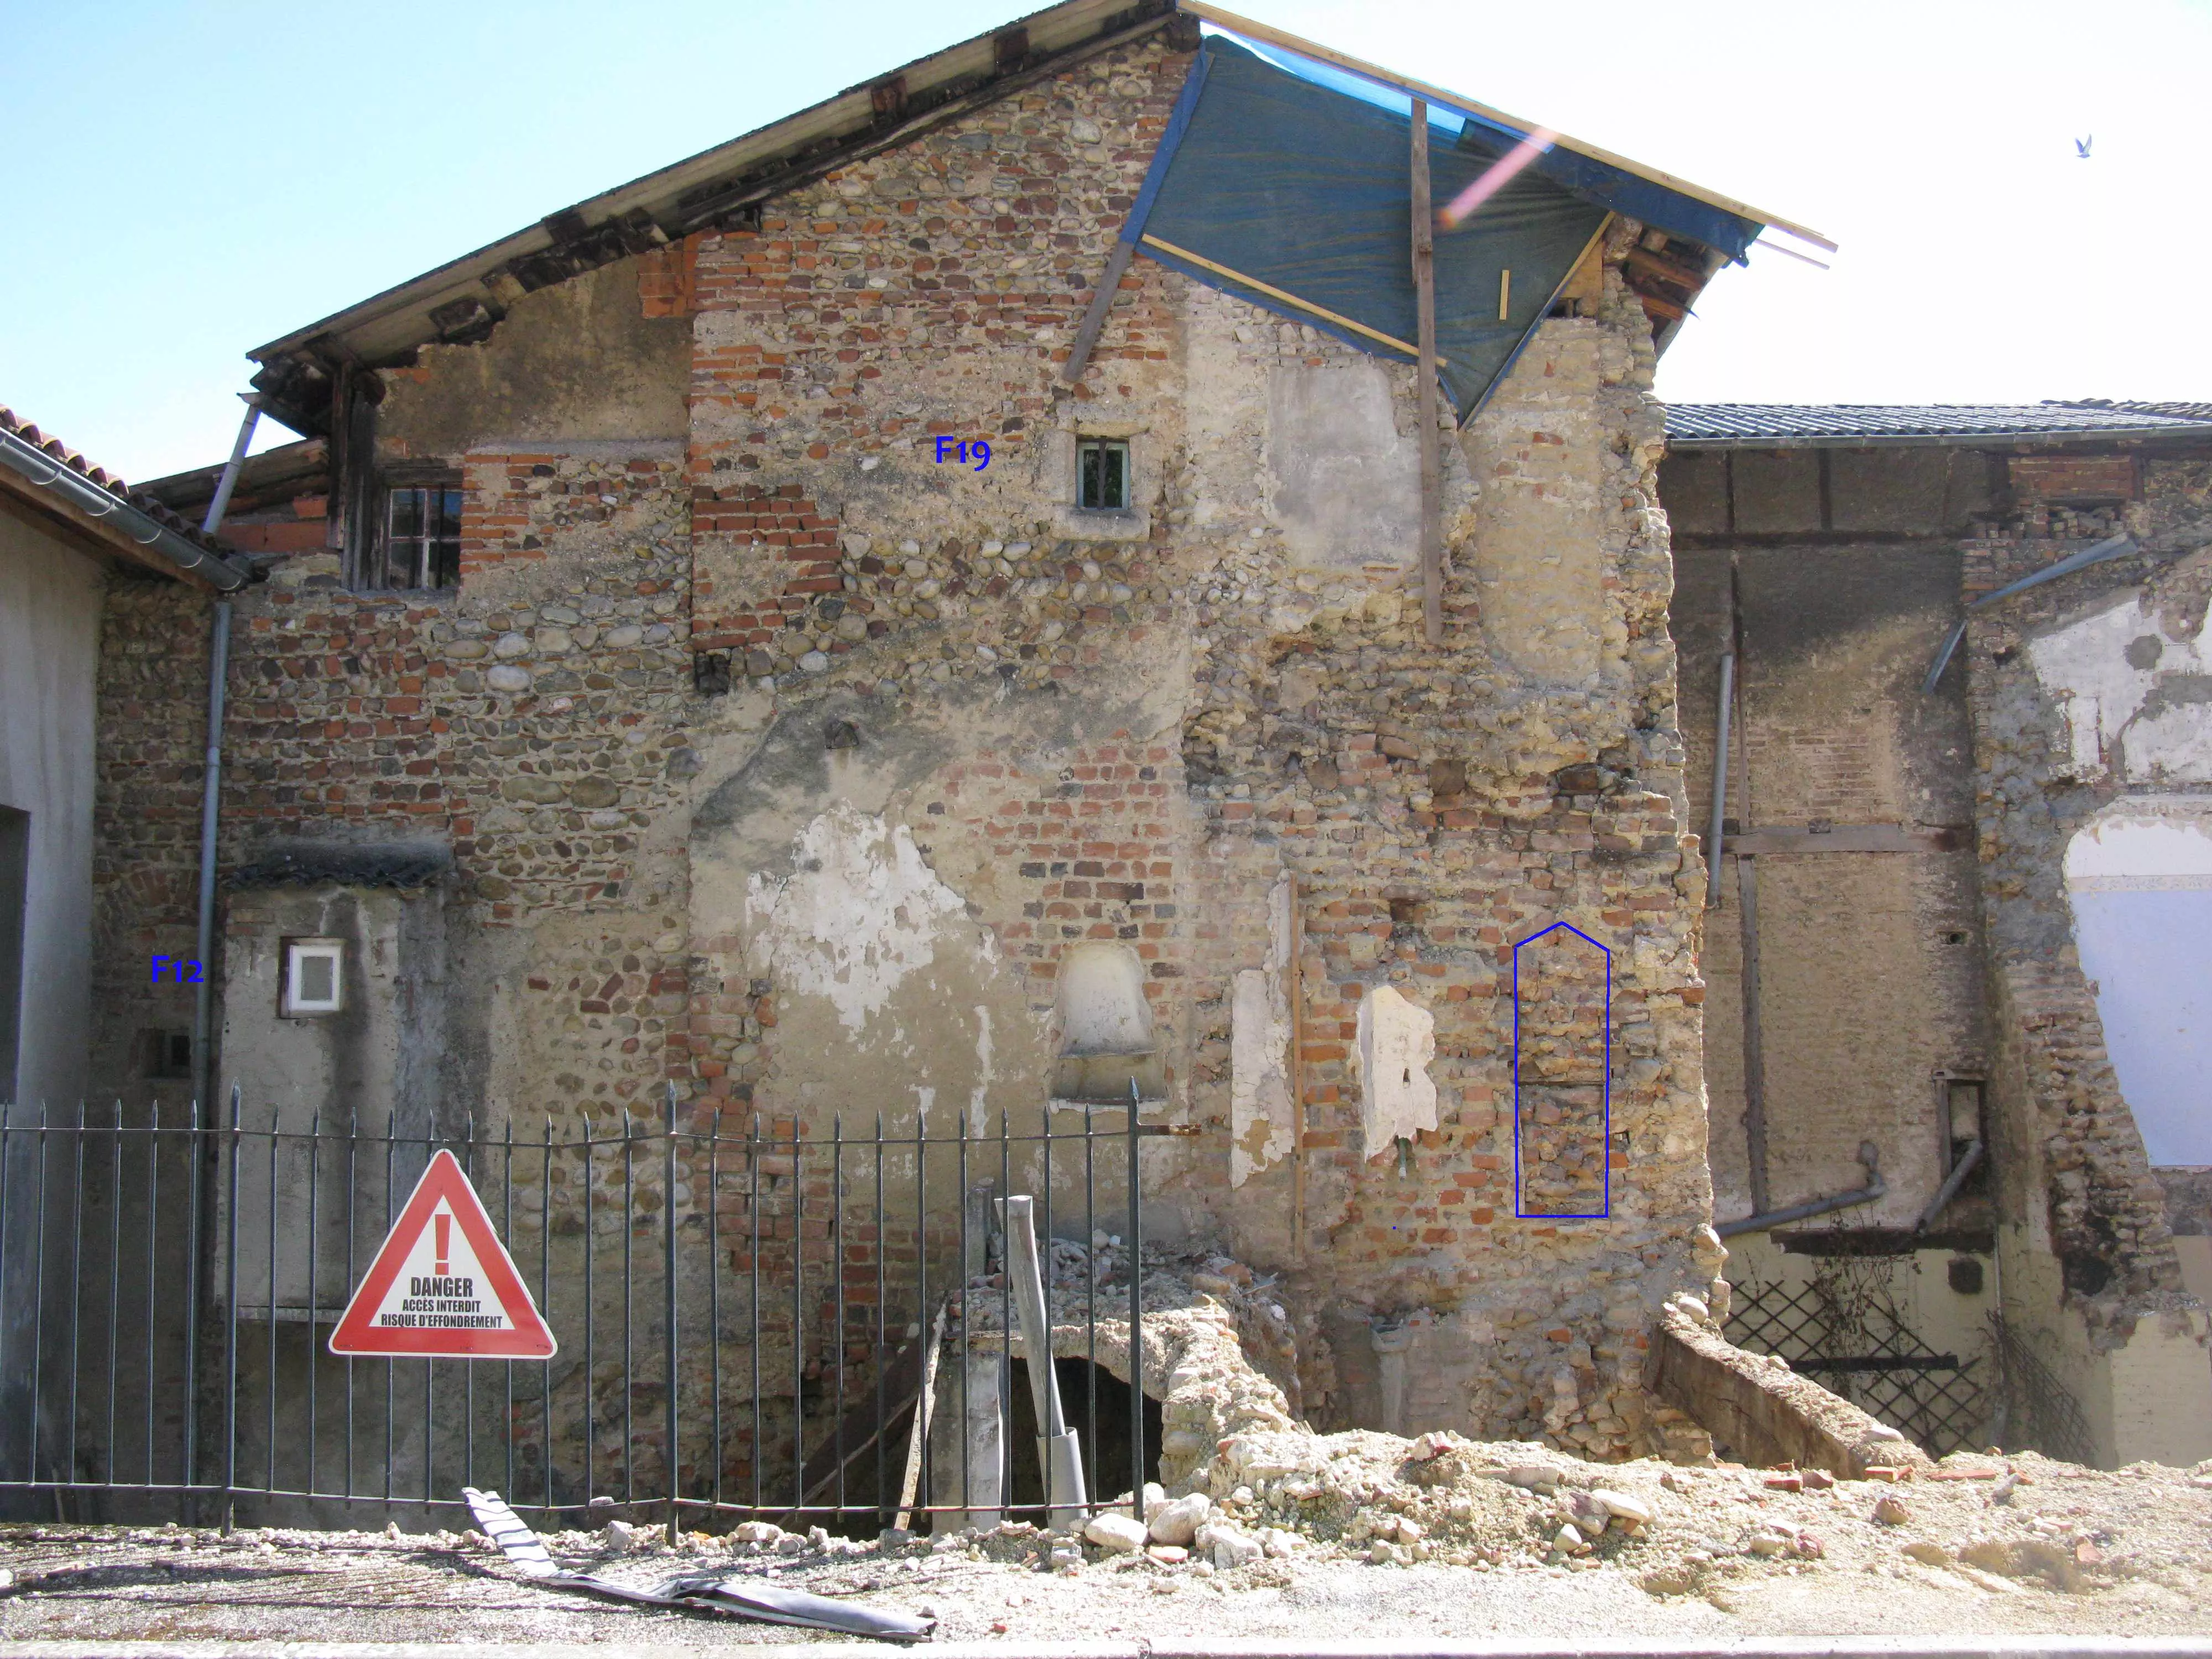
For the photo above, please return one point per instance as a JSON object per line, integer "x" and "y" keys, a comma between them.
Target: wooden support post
{"x": 1094, "y": 320}
{"x": 1425, "y": 296}
{"x": 1296, "y": 992}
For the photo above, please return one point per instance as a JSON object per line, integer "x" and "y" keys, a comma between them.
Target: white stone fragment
{"x": 1119, "y": 1534}
{"x": 1622, "y": 1507}
{"x": 507, "y": 677}
{"x": 1178, "y": 1521}
{"x": 1228, "y": 1545}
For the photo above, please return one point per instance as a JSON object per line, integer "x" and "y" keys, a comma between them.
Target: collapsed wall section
{"x": 2075, "y": 688}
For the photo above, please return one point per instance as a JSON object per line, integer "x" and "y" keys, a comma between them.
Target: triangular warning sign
{"x": 443, "y": 1286}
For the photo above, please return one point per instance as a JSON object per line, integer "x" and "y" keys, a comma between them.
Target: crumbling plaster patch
{"x": 860, "y": 911}
{"x": 1260, "y": 1110}
{"x": 1397, "y": 1043}
{"x": 2135, "y": 681}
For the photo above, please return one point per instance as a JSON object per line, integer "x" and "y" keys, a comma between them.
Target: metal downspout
{"x": 1875, "y": 1187}
{"x": 212, "y": 781}
{"x": 1715, "y": 836}
{"x": 1949, "y": 1191}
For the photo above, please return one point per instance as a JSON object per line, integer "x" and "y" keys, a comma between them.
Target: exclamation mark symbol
{"x": 444, "y": 1223}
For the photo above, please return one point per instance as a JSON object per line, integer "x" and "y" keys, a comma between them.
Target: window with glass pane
{"x": 1101, "y": 471}
{"x": 422, "y": 537}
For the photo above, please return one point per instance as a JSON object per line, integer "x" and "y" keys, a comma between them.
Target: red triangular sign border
{"x": 357, "y": 1337}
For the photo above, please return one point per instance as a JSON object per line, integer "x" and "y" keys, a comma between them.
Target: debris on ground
{"x": 710, "y": 1592}
{"x": 1438, "y": 1537}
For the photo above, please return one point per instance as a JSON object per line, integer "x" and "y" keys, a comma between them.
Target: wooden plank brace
{"x": 1424, "y": 293}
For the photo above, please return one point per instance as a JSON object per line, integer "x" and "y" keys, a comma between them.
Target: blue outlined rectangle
{"x": 1605, "y": 1143}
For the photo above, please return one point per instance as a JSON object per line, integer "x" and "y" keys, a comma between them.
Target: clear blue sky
{"x": 191, "y": 180}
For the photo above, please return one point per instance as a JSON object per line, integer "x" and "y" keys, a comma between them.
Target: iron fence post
{"x": 668, "y": 1309}
{"x": 230, "y": 1327}
{"x": 1136, "y": 1322}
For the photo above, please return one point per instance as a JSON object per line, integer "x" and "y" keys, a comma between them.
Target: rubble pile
{"x": 1219, "y": 1354}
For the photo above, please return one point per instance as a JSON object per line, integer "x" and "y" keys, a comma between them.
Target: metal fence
{"x": 767, "y": 1323}
{"x": 1844, "y": 1329}
{"x": 2040, "y": 1411}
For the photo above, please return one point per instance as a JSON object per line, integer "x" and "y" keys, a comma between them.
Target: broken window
{"x": 1102, "y": 475}
{"x": 421, "y": 545}
{"x": 166, "y": 1055}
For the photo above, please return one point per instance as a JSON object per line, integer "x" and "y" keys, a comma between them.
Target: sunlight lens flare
{"x": 1499, "y": 175}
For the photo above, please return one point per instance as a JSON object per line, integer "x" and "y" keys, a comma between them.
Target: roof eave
{"x": 680, "y": 198}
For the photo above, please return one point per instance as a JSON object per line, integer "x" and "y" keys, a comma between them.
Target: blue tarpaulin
{"x": 1273, "y": 171}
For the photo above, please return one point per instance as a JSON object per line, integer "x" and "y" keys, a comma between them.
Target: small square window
{"x": 167, "y": 1054}
{"x": 314, "y": 977}
{"x": 422, "y": 544}
{"x": 1102, "y": 475}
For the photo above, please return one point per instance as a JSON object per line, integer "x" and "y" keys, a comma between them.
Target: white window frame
{"x": 297, "y": 950}
{"x": 1104, "y": 441}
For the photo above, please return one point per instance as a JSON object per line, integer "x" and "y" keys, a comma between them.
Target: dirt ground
{"x": 2013, "y": 1546}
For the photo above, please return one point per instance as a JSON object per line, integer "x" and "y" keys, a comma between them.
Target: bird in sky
{"x": 2081, "y": 146}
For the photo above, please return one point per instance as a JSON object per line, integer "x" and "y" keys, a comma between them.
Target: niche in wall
{"x": 1106, "y": 1036}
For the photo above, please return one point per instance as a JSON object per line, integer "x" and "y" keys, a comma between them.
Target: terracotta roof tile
{"x": 12, "y": 422}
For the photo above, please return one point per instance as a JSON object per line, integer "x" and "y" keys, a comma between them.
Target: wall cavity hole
{"x": 1105, "y": 1441}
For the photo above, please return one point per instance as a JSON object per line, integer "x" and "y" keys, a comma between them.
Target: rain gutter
{"x": 90, "y": 500}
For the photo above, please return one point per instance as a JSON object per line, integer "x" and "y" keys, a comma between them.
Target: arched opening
{"x": 1106, "y": 1039}
{"x": 1105, "y": 1435}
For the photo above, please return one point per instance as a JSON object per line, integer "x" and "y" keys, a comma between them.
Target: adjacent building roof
{"x": 1785, "y": 426}
{"x": 47, "y": 475}
{"x": 461, "y": 302}
{"x": 2182, "y": 411}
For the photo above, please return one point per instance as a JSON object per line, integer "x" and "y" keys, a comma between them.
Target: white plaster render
{"x": 50, "y": 610}
{"x": 2139, "y": 881}
{"x": 2143, "y": 843}
{"x": 1397, "y": 1042}
{"x": 1101, "y": 1002}
{"x": 1539, "y": 450}
{"x": 2133, "y": 694}
{"x": 1346, "y": 482}
{"x": 860, "y": 911}
{"x": 1260, "y": 1109}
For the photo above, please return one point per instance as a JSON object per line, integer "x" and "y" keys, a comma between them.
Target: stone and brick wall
{"x": 968, "y": 728}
